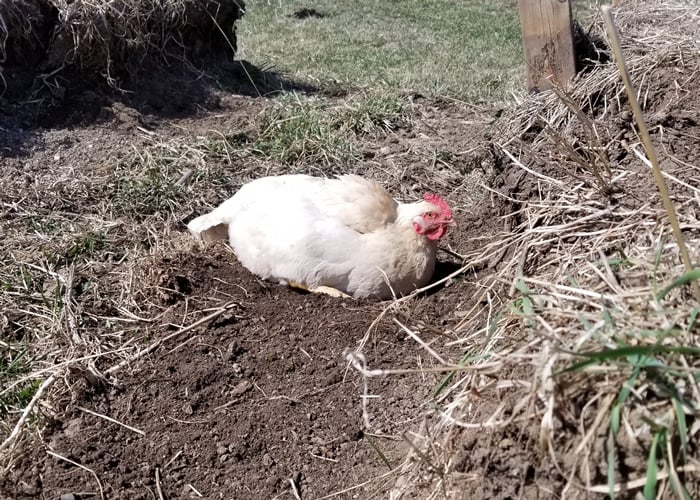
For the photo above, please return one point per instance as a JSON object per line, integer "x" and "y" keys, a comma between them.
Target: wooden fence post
{"x": 548, "y": 42}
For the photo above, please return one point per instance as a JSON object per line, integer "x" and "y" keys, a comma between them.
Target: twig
{"x": 638, "y": 483}
{"x": 334, "y": 460}
{"x": 61, "y": 457}
{"x": 520, "y": 270}
{"x": 651, "y": 152}
{"x": 520, "y": 164}
{"x": 439, "y": 282}
{"x": 110, "y": 419}
{"x": 665, "y": 174}
{"x": 357, "y": 360}
{"x": 158, "y": 342}
{"x": 27, "y": 410}
{"x": 196, "y": 492}
{"x": 173, "y": 459}
{"x": 184, "y": 177}
{"x": 295, "y": 490}
{"x": 36, "y": 374}
{"x": 160, "y": 492}
{"x": 420, "y": 341}
{"x": 420, "y": 454}
{"x": 360, "y": 485}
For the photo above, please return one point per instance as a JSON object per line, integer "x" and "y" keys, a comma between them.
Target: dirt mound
{"x": 591, "y": 252}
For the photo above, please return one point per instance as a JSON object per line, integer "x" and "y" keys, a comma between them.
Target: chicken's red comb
{"x": 437, "y": 200}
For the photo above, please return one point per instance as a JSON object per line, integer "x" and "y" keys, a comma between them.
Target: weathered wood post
{"x": 548, "y": 42}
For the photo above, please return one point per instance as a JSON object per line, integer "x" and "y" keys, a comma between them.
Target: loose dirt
{"x": 259, "y": 402}
{"x": 240, "y": 406}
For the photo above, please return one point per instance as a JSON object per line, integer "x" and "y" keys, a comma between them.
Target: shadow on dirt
{"x": 443, "y": 269}
{"x": 174, "y": 92}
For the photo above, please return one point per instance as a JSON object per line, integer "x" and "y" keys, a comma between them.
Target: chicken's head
{"x": 434, "y": 218}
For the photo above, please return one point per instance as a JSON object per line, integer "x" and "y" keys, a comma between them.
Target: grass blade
{"x": 379, "y": 452}
{"x": 693, "y": 318}
{"x": 683, "y": 279}
{"x": 626, "y": 352}
{"x": 611, "y": 464}
{"x": 682, "y": 425}
{"x": 652, "y": 469}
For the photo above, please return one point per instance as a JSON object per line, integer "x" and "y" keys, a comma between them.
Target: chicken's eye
{"x": 430, "y": 215}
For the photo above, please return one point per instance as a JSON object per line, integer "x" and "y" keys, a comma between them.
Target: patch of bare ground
{"x": 166, "y": 368}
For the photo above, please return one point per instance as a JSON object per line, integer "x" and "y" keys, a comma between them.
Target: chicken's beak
{"x": 451, "y": 223}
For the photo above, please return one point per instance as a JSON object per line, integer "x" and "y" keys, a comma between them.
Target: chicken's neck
{"x": 400, "y": 241}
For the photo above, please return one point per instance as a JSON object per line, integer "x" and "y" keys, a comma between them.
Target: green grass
{"x": 658, "y": 370}
{"x": 294, "y": 129}
{"x": 299, "y": 129}
{"x": 469, "y": 50}
{"x": 87, "y": 244}
{"x": 149, "y": 182}
{"x": 371, "y": 113}
{"x": 15, "y": 362}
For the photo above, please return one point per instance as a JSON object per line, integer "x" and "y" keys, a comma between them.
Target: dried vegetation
{"x": 100, "y": 39}
{"x": 590, "y": 361}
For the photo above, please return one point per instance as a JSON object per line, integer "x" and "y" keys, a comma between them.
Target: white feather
{"x": 346, "y": 233}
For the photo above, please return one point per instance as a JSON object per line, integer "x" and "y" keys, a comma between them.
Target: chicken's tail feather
{"x": 208, "y": 229}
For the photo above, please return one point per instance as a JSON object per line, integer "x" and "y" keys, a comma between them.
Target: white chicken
{"x": 345, "y": 234}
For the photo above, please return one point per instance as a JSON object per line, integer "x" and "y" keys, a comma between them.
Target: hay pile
{"x": 113, "y": 38}
{"x": 582, "y": 365}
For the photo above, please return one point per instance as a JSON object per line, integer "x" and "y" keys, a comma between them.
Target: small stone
{"x": 333, "y": 378}
{"x": 241, "y": 388}
{"x": 267, "y": 460}
{"x": 506, "y": 443}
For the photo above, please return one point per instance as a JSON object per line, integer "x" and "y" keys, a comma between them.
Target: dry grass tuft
{"x": 112, "y": 39}
{"x": 596, "y": 338}
{"x": 76, "y": 274}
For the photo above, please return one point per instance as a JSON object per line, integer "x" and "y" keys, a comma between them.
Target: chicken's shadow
{"x": 442, "y": 270}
